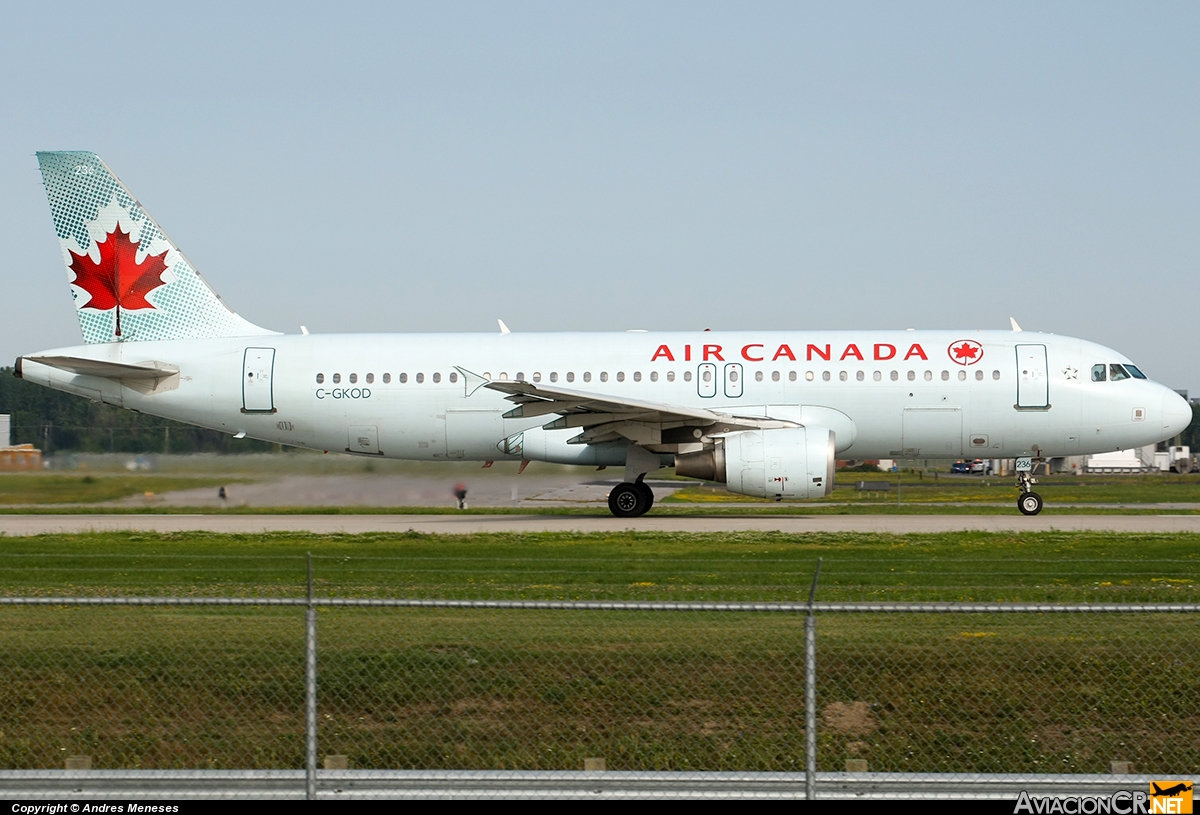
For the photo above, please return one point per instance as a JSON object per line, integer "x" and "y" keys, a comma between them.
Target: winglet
{"x": 503, "y": 327}
{"x": 1013, "y": 320}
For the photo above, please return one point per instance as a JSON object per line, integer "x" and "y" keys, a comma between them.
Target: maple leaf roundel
{"x": 118, "y": 280}
{"x": 965, "y": 352}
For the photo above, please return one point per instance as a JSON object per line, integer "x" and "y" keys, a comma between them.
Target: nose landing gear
{"x": 1029, "y": 502}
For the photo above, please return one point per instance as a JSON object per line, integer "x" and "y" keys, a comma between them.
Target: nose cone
{"x": 1176, "y": 414}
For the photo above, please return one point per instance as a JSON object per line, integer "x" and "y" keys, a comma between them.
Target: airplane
{"x": 1170, "y": 792}
{"x": 766, "y": 413}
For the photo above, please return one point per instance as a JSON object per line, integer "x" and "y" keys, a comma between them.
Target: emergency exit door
{"x": 258, "y": 373}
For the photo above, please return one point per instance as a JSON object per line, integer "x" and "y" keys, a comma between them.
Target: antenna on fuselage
{"x": 1013, "y": 320}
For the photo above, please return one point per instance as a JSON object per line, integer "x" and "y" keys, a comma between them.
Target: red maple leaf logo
{"x": 118, "y": 280}
{"x": 966, "y": 352}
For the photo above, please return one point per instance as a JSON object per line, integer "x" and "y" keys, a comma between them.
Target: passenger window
{"x": 895, "y": 375}
{"x": 707, "y": 375}
{"x": 403, "y": 378}
{"x": 604, "y": 376}
{"x": 587, "y": 376}
{"x": 337, "y": 378}
{"x": 654, "y": 376}
{"x": 320, "y": 378}
{"x": 791, "y": 376}
{"x": 437, "y": 378}
{"x": 670, "y": 376}
{"x": 553, "y": 376}
{"x": 687, "y": 376}
{"x": 860, "y": 376}
{"x": 912, "y": 375}
{"x": 570, "y": 376}
{"x": 774, "y": 376}
{"x": 929, "y": 376}
{"x": 453, "y": 377}
{"x": 962, "y": 376}
{"x": 1099, "y": 374}
{"x": 537, "y": 376}
{"x": 520, "y": 376}
{"x": 420, "y": 378}
{"x": 620, "y": 376}
{"x": 758, "y": 376}
{"x": 878, "y": 376}
{"x": 1116, "y": 373}
{"x": 995, "y": 374}
{"x": 370, "y": 378}
{"x": 808, "y": 376}
{"x": 387, "y": 378}
{"x": 979, "y": 376}
{"x": 353, "y": 378}
{"x": 825, "y": 376}
{"x": 637, "y": 376}
{"x": 945, "y": 376}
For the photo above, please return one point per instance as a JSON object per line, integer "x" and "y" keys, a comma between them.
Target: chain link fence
{"x": 380, "y": 685}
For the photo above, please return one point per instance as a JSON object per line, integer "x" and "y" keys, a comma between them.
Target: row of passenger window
{"x": 706, "y": 376}
{"x": 387, "y": 378}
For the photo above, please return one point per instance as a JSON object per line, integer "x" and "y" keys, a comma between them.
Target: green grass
{"x": 54, "y": 488}
{"x": 499, "y": 689}
{"x": 975, "y": 566}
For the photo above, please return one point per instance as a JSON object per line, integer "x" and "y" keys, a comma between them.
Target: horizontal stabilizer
{"x": 147, "y": 377}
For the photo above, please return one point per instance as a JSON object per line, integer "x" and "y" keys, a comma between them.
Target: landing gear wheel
{"x": 1030, "y": 503}
{"x": 647, "y": 495}
{"x": 629, "y": 500}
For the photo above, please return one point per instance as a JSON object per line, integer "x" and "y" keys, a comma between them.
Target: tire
{"x": 627, "y": 501}
{"x": 647, "y": 496}
{"x": 1030, "y": 503}
{"x": 1183, "y": 466}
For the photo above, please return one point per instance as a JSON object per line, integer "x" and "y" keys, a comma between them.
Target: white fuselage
{"x": 887, "y": 394}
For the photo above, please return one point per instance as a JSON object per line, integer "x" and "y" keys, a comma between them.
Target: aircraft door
{"x": 706, "y": 380}
{"x": 258, "y": 371}
{"x": 1033, "y": 381}
{"x": 733, "y": 379}
{"x": 932, "y": 433}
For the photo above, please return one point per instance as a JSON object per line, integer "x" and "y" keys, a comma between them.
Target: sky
{"x": 604, "y": 166}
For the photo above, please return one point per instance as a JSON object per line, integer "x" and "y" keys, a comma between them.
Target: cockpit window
{"x": 1134, "y": 371}
{"x": 1117, "y": 372}
{"x": 1099, "y": 373}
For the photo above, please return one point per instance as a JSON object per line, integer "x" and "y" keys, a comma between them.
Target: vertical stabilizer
{"x": 129, "y": 281}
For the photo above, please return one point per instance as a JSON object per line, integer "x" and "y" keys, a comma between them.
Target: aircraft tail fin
{"x": 129, "y": 280}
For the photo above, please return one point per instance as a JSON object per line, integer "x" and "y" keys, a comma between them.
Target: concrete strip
{"x": 20, "y": 525}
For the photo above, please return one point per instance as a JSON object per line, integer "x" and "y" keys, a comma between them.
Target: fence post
{"x": 810, "y": 692}
{"x": 310, "y": 691}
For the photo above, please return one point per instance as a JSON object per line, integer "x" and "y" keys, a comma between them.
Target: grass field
{"x": 56, "y": 488}
{"x": 491, "y": 688}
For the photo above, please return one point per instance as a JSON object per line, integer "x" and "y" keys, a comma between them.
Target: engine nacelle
{"x": 790, "y": 462}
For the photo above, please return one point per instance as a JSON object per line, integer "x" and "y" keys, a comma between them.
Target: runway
{"x": 22, "y": 525}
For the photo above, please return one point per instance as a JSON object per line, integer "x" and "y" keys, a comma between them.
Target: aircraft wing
{"x": 604, "y": 417}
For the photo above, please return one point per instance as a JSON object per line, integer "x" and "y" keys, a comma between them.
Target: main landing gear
{"x": 630, "y": 499}
{"x": 1029, "y": 502}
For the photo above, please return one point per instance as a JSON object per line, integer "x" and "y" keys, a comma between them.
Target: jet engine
{"x": 790, "y": 462}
